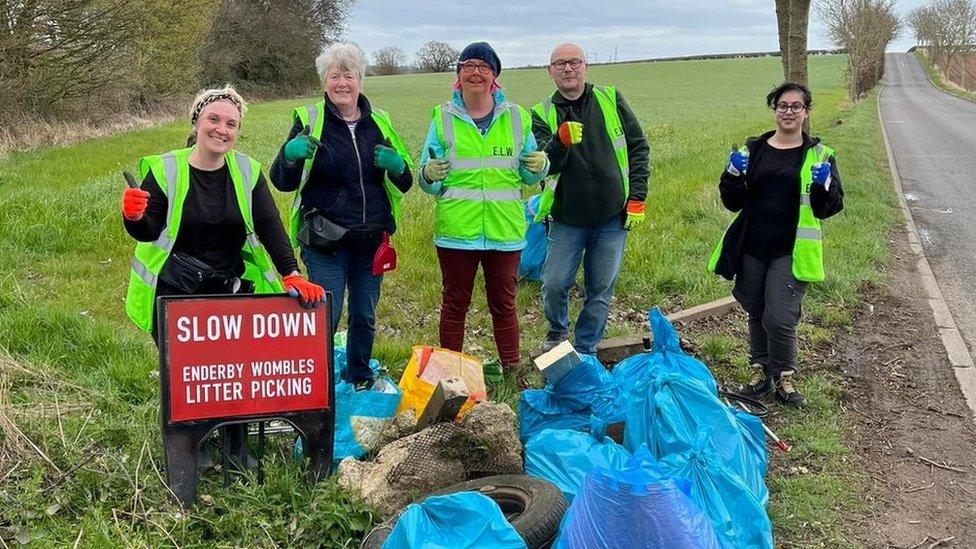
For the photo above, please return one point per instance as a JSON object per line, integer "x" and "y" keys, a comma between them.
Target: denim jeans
{"x": 350, "y": 268}
{"x": 601, "y": 250}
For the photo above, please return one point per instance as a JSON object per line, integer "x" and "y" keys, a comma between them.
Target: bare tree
{"x": 55, "y": 51}
{"x": 389, "y": 60}
{"x": 793, "y": 19}
{"x": 948, "y": 29}
{"x": 437, "y": 56}
{"x": 922, "y": 20}
{"x": 864, "y": 28}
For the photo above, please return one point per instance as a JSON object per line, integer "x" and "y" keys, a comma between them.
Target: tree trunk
{"x": 783, "y": 24}
{"x": 799, "y": 21}
{"x": 792, "y": 19}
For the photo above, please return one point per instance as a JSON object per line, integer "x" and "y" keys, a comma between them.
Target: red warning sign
{"x": 244, "y": 356}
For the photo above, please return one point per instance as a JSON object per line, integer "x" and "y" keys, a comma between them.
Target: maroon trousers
{"x": 458, "y": 269}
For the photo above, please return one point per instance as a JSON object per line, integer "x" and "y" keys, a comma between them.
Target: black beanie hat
{"x": 482, "y": 51}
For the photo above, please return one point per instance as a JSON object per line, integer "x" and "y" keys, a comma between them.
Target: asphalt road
{"x": 933, "y": 139}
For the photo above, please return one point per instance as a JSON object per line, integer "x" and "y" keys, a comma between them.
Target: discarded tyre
{"x": 534, "y": 507}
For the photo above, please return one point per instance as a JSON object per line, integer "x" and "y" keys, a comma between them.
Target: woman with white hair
{"x": 349, "y": 170}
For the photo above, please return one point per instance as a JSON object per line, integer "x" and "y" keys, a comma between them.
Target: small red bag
{"x": 386, "y": 257}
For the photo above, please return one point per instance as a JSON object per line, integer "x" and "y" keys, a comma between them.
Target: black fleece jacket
{"x": 743, "y": 194}
{"x": 590, "y": 189}
{"x": 344, "y": 185}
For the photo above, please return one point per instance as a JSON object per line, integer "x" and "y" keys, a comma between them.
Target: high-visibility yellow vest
{"x": 808, "y": 264}
{"x": 313, "y": 117}
{"x": 606, "y": 98}
{"x": 482, "y": 195}
{"x": 172, "y": 172}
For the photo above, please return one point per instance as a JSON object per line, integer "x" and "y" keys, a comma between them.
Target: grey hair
{"x": 344, "y": 56}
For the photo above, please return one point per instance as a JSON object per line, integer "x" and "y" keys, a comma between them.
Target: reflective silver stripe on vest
{"x": 476, "y": 163}
{"x": 499, "y": 162}
{"x": 245, "y": 168}
{"x": 472, "y": 194}
{"x": 313, "y": 116}
{"x": 171, "y": 173}
{"x": 804, "y": 200}
{"x": 546, "y": 106}
{"x": 448, "y": 125}
{"x": 808, "y": 233}
{"x": 143, "y": 272}
{"x": 255, "y": 244}
{"x": 620, "y": 142}
{"x": 516, "y": 116}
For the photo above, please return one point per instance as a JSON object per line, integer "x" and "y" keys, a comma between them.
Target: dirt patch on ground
{"x": 913, "y": 433}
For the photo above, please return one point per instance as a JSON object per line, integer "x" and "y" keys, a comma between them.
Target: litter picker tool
{"x": 729, "y": 397}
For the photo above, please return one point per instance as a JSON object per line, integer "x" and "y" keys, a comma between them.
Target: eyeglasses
{"x": 471, "y": 68}
{"x": 561, "y": 64}
{"x": 797, "y": 108}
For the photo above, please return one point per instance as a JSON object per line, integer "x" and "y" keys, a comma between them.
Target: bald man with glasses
{"x": 593, "y": 197}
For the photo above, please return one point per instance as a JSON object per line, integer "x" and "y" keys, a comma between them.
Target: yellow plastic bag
{"x": 427, "y": 366}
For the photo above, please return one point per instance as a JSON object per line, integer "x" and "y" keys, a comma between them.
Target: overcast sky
{"x": 524, "y": 32}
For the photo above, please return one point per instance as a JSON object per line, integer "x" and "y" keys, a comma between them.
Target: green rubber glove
{"x": 387, "y": 158}
{"x": 436, "y": 169}
{"x": 301, "y": 147}
{"x": 535, "y": 161}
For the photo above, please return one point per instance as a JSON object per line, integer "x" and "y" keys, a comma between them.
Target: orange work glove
{"x": 570, "y": 133}
{"x": 134, "y": 202}
{"x": 308, "y": 294}
{"x": 635, "y": 214}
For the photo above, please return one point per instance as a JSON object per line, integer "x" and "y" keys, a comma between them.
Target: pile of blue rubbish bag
{"x": 689, "y": 473}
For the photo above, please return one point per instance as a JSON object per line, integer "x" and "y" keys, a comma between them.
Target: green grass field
{"x": 80, "y": 381}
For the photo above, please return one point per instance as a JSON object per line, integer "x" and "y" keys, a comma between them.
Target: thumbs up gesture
{"x": 387, "y": 158}
{"x": 134, "y": 199}
{"x": 301, "y": 147}
{"x": 436, "y": 169}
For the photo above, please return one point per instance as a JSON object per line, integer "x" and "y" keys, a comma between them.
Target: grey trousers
{"x": 771, "y": 296}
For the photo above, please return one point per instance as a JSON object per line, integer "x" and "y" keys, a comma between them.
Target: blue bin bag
{"x": 361, "y": 416}
{"x": 536, "y": 243}
{"x": 666, "y": 356}
{"x": 564, "y": 457}
{"x": 737, "y": 515}
{"x": 669, "y": 410}
{"x": 637, "y": 505}
{"x": 754, "y": 436}
{"x": 541, "y": 409}
{"x": 455, "y": 521}
{"x": 588, "y": 389}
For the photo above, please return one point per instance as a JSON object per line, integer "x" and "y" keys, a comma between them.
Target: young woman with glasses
{"x": 781, "y": 185}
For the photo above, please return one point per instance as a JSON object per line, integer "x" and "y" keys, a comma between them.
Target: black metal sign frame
{"x": 182, "y": 439}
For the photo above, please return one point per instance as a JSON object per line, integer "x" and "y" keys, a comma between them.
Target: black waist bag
{"x": 186, "y": 273}
{"x": 319, "y": 233}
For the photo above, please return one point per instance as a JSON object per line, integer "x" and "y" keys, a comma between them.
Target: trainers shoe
{"x": 787, "y": 394}
{"x": 760, "y": 386}
{"x": 552, "y": 339}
